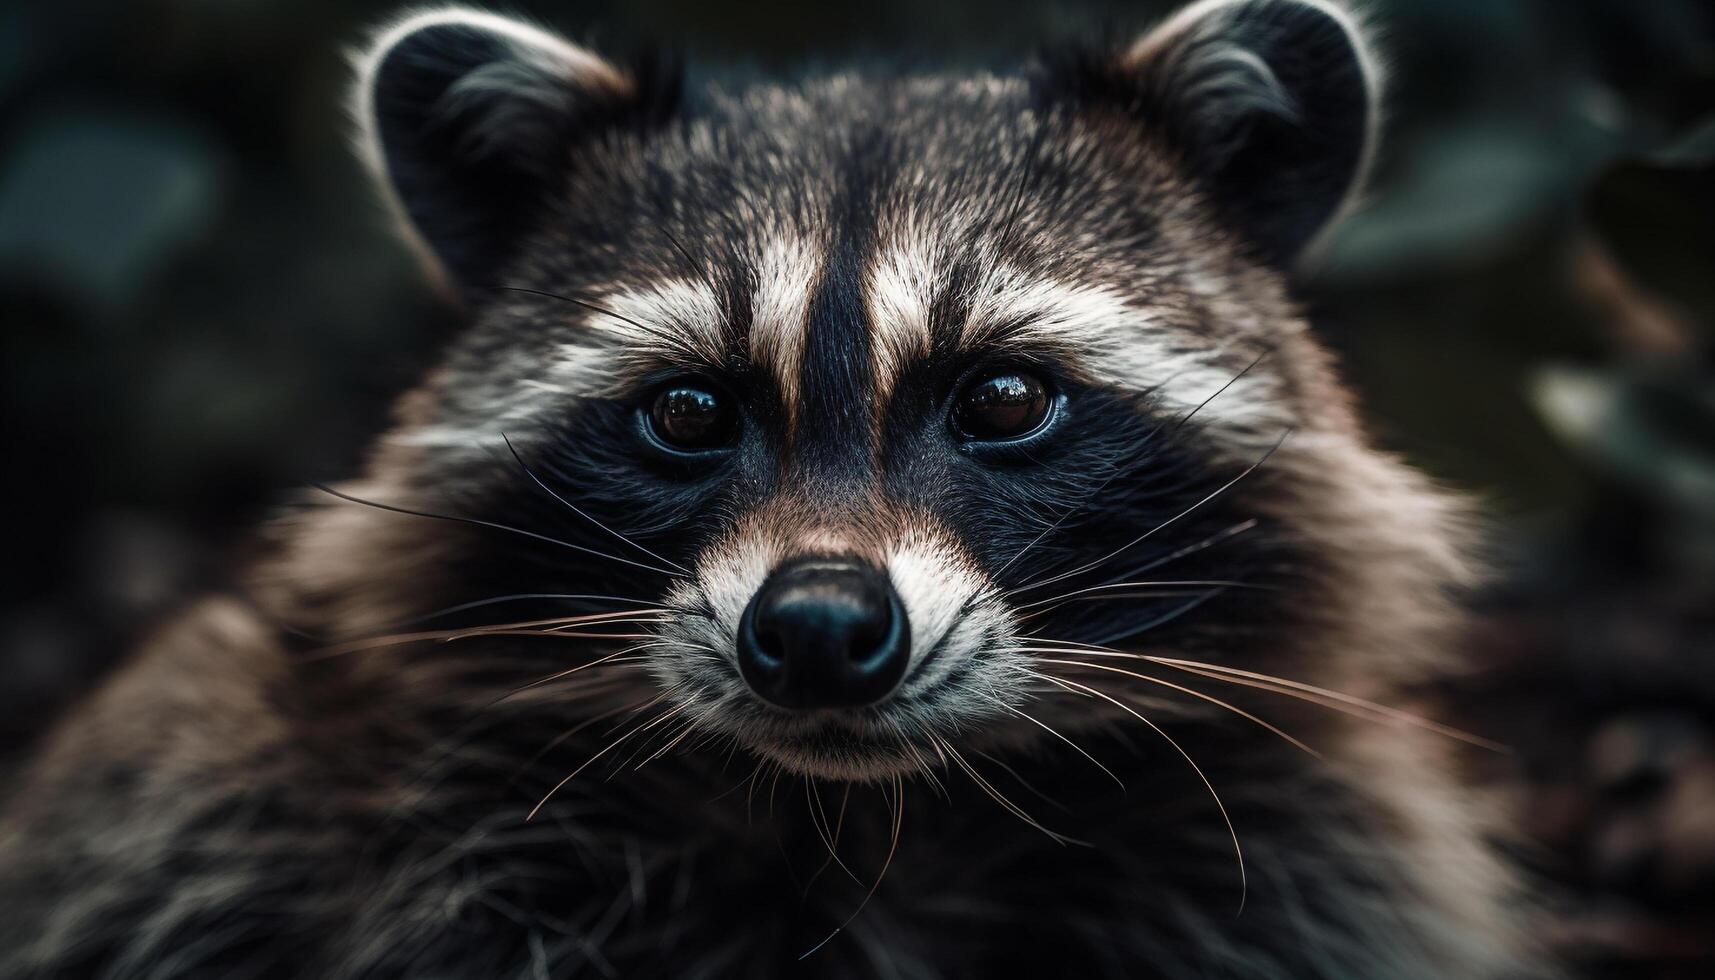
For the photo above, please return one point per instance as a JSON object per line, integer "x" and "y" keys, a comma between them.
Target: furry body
{"x": 838, "y": 257}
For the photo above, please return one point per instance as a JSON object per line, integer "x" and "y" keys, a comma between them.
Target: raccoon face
{"x": 893, "y": 392}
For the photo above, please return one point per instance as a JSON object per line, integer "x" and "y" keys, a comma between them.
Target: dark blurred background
{"x": 201, "y": 310}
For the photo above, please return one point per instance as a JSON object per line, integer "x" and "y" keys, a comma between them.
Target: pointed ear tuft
{"x": 1271, "y": 106}
{"x": 471, "y": 120}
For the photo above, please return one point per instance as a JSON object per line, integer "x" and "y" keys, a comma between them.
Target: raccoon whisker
{"x": 520, "y": 597}
{"x": 575, "y": 301}
{"x": 578, "y": 511}
{"x": 1000, "y": 797}
{"x": 831, "y": 841}
{"x": 1208, "y": 542}
{"x": 1163, "y": 583}
{"x": 731, "y": 753}
{"x": 723, "y": 794}
{"x": 1032, "y": 160}
{"x": 840, "y": 819}
{"x": 830, "y": 838}
{"x": 988, "y": 256}
{"x": 1117, "y": 468}
{"x": 551, "y": 678}
{"x": 617, "y": 615}
{"x": 494, "y": 525}
{"x": 684, "y": 730}
{"x": 1050, "y": 529}
{"x": 642, "y": 727}
{"x": 700, "y": 268}
{"x": 898, "y": 809}
{"x": 1197, "y": 599}
{"x": 1340, "y": 701}
{"x": 1115, "y": 598}
{"x": 929, "y": 773}
{"x": 1074, "y": 745}
{"x": 707, "y": 739}
{"x": 434, "y": 758}
{"x": 643, "y": 744}
{"x": 1238, "y": 852}
{"x": 1148, "y": 589}
{"x": 1334, "y": 700}
{"x": 762, "y": 766}
{"x": 1161, "y": 620}
{"x": 397, "y": 639}
{"x": 562, "y": 635}
{"x": 1044, "y": 797}
{"x": 750, "y": 794}
{"x": 565, "y": 629}
{"x": 629, "y": 710}
{"x": 923, "y": 766}
{"x": 662, "y": 336}
{"x": 1005, "y": 801}
{"x": 491, "y": 601}
{"x": 779, "y": 770}
{"x": 378, "y": 642}
{"x": 1178, "y": 424}
{"x": 1218, "y": 491}
{"x": 1295, "y": 742}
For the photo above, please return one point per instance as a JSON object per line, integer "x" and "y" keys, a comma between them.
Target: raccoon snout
{"x": 824, "y": 633}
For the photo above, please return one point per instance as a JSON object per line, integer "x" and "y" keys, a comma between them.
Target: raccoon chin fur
{"x": 1017, "y": 355}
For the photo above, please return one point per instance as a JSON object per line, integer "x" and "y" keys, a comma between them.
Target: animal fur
{"x": 301, "y": 778}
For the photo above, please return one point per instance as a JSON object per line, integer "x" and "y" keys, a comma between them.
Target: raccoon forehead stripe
{"x": 785, "y": 279}
{"x": 900, "y": 290}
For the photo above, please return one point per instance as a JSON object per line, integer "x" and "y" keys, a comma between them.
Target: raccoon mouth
{"x": 836, "y": 751}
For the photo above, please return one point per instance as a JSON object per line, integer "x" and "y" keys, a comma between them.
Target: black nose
{"x": 824, "y": 633}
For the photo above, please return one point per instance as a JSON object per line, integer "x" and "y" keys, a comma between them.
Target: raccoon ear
{"x": 471, "y": 121}
{"x": 1271, "y": 104}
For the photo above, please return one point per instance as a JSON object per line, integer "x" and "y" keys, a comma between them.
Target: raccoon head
{"x": 904, "y": 400}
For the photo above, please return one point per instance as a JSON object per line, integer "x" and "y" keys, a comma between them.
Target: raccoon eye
{"x": 1003, "y": 405}
{"x": 690, "y": 417}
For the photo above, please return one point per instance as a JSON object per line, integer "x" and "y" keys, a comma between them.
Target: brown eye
{"x": 1003, "y": 405}
{"x": 692, "y": 418}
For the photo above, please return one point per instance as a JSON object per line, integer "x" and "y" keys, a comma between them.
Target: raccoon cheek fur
{"x": 837, "y": 488}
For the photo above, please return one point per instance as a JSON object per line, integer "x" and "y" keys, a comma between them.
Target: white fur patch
{"x": 681, "y": 321}
{"x": 899, "y": 289}
{"x": 935, "y": 583}
{"x": 676, "y": 321}
{"x": 785, "y": 280}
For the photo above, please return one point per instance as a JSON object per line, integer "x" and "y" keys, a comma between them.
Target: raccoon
{"x": 884, "y": 524}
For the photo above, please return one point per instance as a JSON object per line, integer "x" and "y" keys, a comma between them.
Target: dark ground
{"x": 201, "y": 311}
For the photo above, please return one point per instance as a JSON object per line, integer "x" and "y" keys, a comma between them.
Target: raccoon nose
{"x": 824, "y": 633}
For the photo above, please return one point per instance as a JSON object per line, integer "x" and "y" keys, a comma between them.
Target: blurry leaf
{"x": 96, "y": 203}
{"x": 1462, "y": 199}
{"x": 1654, "y": 433}
{"x": 1657, "y": 216}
